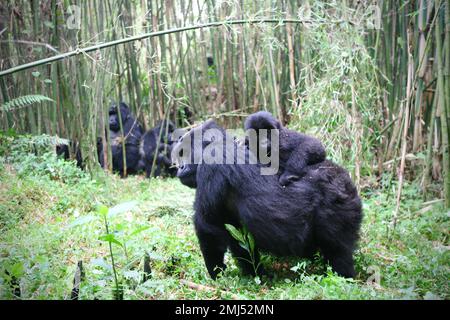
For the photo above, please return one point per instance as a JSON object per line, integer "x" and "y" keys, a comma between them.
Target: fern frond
{"x": 24, "y": 101}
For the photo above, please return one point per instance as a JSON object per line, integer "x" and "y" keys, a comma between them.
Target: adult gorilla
{"x": 321, "y": 211}
{"x": 132, "y": 133}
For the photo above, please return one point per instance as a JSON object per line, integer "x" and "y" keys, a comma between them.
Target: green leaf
{"x": 244, "y": 246}
{"x": 102, "y": 210}
{"x": 111, "y": 239}
{"x": 36, "y": 74}
{"x": 251, "y": 242}
{"x": 17, "y": 269}
{"x": 48, "y": 81}
{"x": 295, "y": 268}
{"x": 139, "y": 230}
{"x": 121, "y": 208}
{"x": 235, "y": 233}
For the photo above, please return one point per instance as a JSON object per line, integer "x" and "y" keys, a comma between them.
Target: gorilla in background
{"x": 100, "y": 155}
{"x": 296, "y": 150}
{"x": 63, "y": 151}
{"x": 132, "y": 133}
{"x": 320, "y": 212}
{"x": 157, "y": 142}
{"x": 184, "y": 116}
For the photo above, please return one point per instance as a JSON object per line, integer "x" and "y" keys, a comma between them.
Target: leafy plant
{"x": 12, "y": 273}
{"x": 247, "y": 242}
{"x": 24, "y": 101}
{"x": 111, "y": 237}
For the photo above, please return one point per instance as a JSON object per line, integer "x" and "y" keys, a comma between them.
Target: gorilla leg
{"x": 340, "y": 259}
{"x": 336, "y": 243}
{"x": 212, "y": 245}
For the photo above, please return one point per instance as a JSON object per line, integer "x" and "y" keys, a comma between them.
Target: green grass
{"x": 44, "y": 232}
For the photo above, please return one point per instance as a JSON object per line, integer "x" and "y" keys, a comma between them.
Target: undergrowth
{"x": 49, "y": 221}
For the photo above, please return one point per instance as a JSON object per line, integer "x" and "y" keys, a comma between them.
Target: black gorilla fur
{"x": 296, "y": 150}
{"x": 149, "y": 148}
{"x": 322, "y": 211}
{"x": 100, "y": 155}
{"x": 132, "y": 133}
{"x": 63, "y": 151}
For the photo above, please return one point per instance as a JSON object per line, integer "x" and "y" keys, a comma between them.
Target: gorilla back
{"x": 321, "y": 211}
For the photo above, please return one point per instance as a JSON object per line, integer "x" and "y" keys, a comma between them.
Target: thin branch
{"x": 141, "y": 37}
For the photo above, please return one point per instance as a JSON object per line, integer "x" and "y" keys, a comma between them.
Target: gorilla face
{"x": 114, "y": 123}
{"x": 187, "y": 170}
{"x": 187, "y": 173}
{"x": 183, "y": 153}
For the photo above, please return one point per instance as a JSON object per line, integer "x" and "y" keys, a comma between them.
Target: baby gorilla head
{"x": 114, "y": 121}
{"x": 296, "y": 150}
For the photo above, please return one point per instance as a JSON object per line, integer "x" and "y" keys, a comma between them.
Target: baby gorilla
{"x": 296, "y": 150}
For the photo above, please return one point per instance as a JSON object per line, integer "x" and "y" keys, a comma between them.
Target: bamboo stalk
{"x": 428, "y": 160}
{"x": 444, "y": 111}
{"x": 291, "y": 63}
{"x": 405, "y": 129}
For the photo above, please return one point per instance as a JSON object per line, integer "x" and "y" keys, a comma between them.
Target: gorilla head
{"x": 262, "y": 120}
{"x": 296, "y": 150}
{"x": 114, "y": 121}
{"x": 184, "y": 150}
